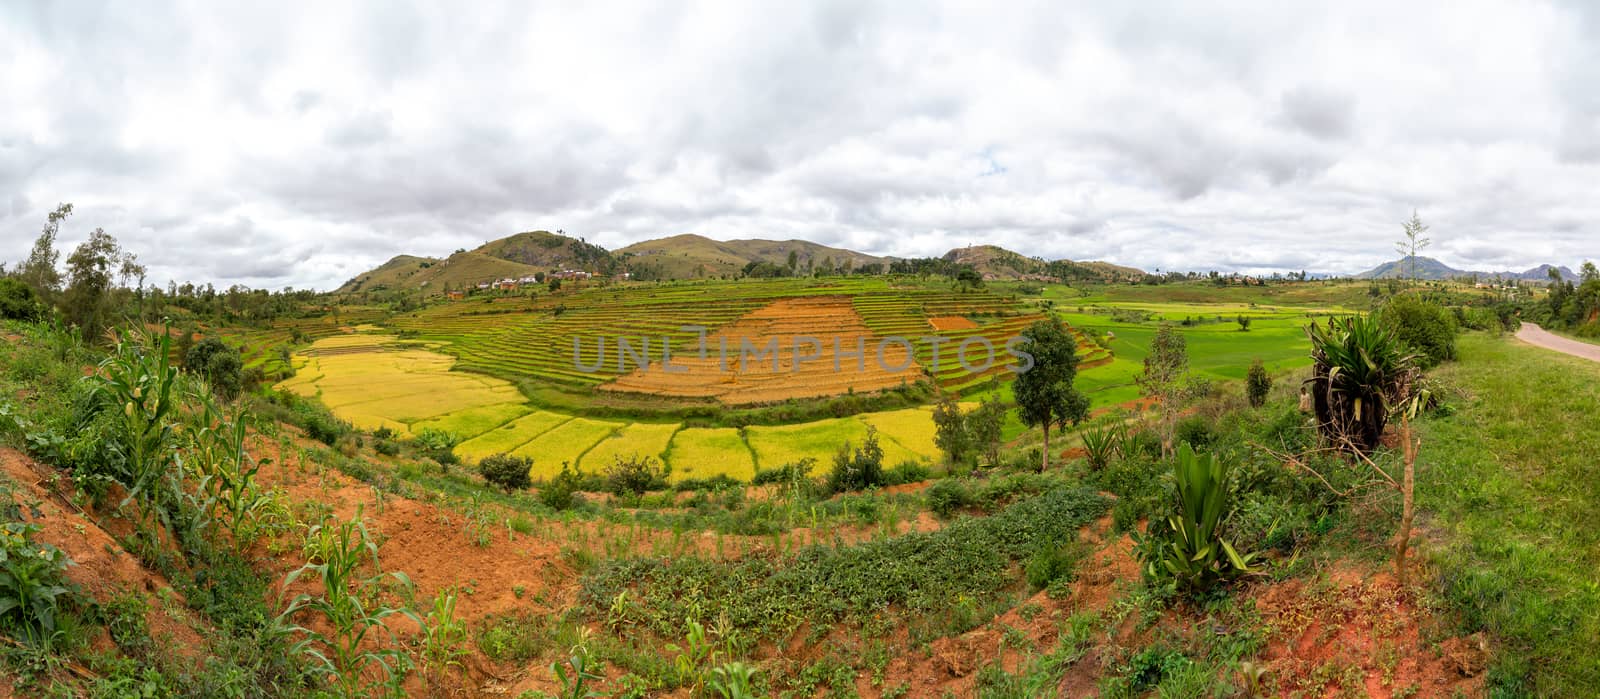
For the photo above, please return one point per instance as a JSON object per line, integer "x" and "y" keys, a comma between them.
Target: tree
{"x": 1244, "y": 323}
{"x": 1413, "y": 242}
{"x": 984, "y": 426}
{"x": 1044, "y": 393}
{"x": 1257, "y": 384}
{"x": 794, "y": 261}
{"x": 950, "y": 430}
{"x": 1166, "y": 379}
{"x": 219, "y": 364}
{"x": 39, "y": 270}
{"x": 89, "y": 281}
{"x": 969, "y": 278}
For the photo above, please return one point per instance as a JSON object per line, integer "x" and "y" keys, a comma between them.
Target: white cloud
{"x": 301, "y": 143}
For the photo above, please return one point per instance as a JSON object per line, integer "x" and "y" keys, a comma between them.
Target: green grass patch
{"x": 1510, "y": 482}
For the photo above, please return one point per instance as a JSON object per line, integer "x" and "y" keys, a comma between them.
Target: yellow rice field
{"x": 372, "y": 381}
{"x": 639, "y": 438}
{"x": 703, "y": 452}
{"x": 564, "y": 444}
{"x": 509, "y": 436}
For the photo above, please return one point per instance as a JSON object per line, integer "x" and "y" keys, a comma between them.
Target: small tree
{"x": 90, "y": 268}
{"x": 1244, "y": 323}
{"x": 220, "y": 364}
{"x": 984, "y": 426}
{"x": 1413, "y": 242}
{"x": 950, "y": 430}
{"x": 635, "y": 475}
{"x": 39, "y": 270}
{"x": 859, "y": 468}
{"x": 1045, "y": 394}
{"x": 1257, "y": 383}
{"x": 1166, "y": 379}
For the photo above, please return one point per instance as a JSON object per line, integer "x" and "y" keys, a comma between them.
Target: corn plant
{"x": 733, "y": 680}
{"x": 32, "y": 584}
{"x": 1100, "y": 444}
{"x": 575, "y": 675}
{"x": 444, "y": 639}
{"x": 696, "y": 653}
{"x": 1194, "y": 554}
{"x": 226, "y": 470}
{"x": 140, "y": 383}
{"x": 349, "y": 604}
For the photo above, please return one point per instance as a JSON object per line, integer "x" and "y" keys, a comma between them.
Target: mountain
{"x": 692, "y": 256}
{"x": 682, "y": 257}
{"x": 1432, "y": 269}
{"x": 995, "y": 262}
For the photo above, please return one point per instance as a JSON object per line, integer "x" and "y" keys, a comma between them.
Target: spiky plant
{"x": 1360, "y": 371}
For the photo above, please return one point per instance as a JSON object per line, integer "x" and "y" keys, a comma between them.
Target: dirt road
{"x": 1535, "y": 335}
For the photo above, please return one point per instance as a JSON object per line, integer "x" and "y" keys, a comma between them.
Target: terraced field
{"x": 373, "y": 381}
{"x": 556, "y": 338}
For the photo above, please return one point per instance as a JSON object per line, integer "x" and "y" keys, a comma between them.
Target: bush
{"x": 1257, "y": 384}
{"x": 561, "y": 492}
{"x": 1195, "y": 430}
{"x": 33, "y": 584}
{"x": 635, "y": 475}
{"x": 507, "y": 472}
{"x": 1051, "y": 563}
{"x": 947, "y": 496}
{"x": 1425, "y": 327}
{"x": 18, "y": 301}
{"x": 1194, "y": 555}
{"x": 787, "y": 473}
{"x": 907, "y": 471}
{"x": 859, "y": 468}
{"x": 1100, "y": 444}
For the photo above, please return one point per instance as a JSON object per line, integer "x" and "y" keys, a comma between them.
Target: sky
{"x": 286, "y": 144}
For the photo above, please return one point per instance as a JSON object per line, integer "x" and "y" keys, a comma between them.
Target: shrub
{"x": 635, "y": 475}
{"x": 907, "y": 471}
{"x": 947, "y": 496}
{"x": 560, "y": 493}
{"x": 1197, "y": 431}
{"x": 438, "y": 445}
{"x": 385, "y": 447}
{"x": 507, "y": 472}
{"x": 18, "y": 301}
{"x": 32, "y": 584}
{"x": 859, "y": 468}
{"x": 1257, "y": 384}
{"x": 786, "y": 473}
{"x": 1051, "y": 563}
{"x": 1425, "y": 327}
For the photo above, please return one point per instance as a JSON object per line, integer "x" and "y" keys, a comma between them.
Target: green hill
{"x": 692, "y": 256}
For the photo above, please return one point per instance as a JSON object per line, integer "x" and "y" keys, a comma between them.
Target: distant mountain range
{"x": 1432, "y": 269}
{"x": 688, "y": 257}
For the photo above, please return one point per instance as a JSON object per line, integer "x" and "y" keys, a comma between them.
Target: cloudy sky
{"x": 273, "y": 144}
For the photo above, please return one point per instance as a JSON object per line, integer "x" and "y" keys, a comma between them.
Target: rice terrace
{"x": 799, "y": 350}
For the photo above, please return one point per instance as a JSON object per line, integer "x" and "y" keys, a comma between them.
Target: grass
{"x": 710, "y": 451}
{"x": 1510, "y": 481}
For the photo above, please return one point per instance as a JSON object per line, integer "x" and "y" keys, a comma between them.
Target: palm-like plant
{"x": 1194, "y": 554}
{"x": 1360, "y": 371}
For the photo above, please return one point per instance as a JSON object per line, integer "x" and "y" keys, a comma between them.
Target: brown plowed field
{"x": 952, "y": 323}
{"x": 792, "y": 323}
